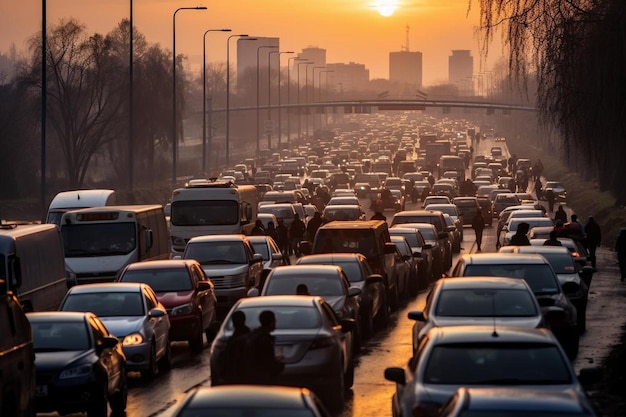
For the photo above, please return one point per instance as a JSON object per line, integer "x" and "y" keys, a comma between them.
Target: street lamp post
{"x": 299, "y": 110}
{"x": 320, "y": 92}
{"x": 204, "y": 139}
{"x": 174, "y": 119}
{"x": 319, "y": 85}
{"x": 228, "y": 92}
{"x": 306, "y": 95}
{"x": 258, "y": 134}
{"x": 279, "y": 109}
{"x": 289, "y": 94}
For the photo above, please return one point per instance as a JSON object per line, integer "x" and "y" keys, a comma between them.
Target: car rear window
{"x": 346, "y": 241}
{"x": 485, "y": 303}
{"x": 287, "y": 317}
{"x": 539, "y": 277}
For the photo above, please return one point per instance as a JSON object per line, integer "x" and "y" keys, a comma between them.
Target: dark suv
{"x": 434, "y": 217}
{"x": 369, "y": 238}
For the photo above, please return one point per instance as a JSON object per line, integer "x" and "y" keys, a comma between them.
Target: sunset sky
{"x": 349, "y": 30}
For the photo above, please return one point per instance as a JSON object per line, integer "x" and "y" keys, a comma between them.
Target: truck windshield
{"x": 98, "y": 239}
{"x": 204, "y": 212}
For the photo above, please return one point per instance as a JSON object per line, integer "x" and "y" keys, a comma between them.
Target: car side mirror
{"x": 354, "y": 291}
{"x": 305, "y": 247}
{"x": 347, "y": 325}
{"x": 416, "y": 315}
{"x": 108, "y": 342}
{"x": 374, "y": 279}
{"x": 427, "y": 246}
{"x": 390, "y": 247}
{"x": 253, "y": 292}
{"x": 277, "y": 256}
{"x": 157, "y": 312}
{"x": 257, "y": 257}
{"x": 395, "y": 375}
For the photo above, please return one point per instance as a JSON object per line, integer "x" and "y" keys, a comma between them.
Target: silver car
{"x": 313, "y": 340}
{"x": 479, "y": 356}
{"x": 477, "y": 301}
{"x": 132, "y": 312}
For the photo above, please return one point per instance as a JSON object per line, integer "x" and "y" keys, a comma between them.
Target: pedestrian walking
{"x": 560, "y": 214}
{"x": 297, "y": 229}
{"x": 270, "y": 231}
{"x": 313, "y": 225}
{"x": 258, "y": 229}
{"x": 620, "y": 248}
{"x": 283, "y": 237}
{"x": 262, "y": 362}
{"x": 552, "y": 240}
{"x": 378, "y": 216}
{"x": 232, "y": 368}
{"x": 538, "y": 189}
{"x": 594, "y": 238}
{"x": 550, "y": 198}
{"x": 478, "y": 224}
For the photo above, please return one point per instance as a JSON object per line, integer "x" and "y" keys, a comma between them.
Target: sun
{"x": 386, "y": 7}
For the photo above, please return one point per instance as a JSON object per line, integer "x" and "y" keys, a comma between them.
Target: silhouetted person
{"x": 263, "y": 367}
{"x": 296, "y": 233}
{"x": 478, "y": 224}
{"x": 258, "y": 229}
{"x": 552, "y": 240}
{"x": 283, "y": 237}
{"x": 560, "y": 214}
{"x": 550, "y": 198}
{"x": 378, "y": 216}
{"x": 594, "y": 238}
{"x": 520, "y": 238}
{"x": 302, "y": 289}
{"x": 270, "y": 231}
{"x": 313, "y": 225}
{"x": 233, "y": 370}
{"x": 574, "y": 230}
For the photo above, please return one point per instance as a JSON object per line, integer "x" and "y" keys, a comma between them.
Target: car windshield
{"x": 317, "y": 284}
{"x": 497, "y": 364}
{"x": 485, "y": 303}
{"x": 539, "y": 277}
{"x": 242, "y": 411}
{"x": 106, "y": 304}
{"x": 216, "y": 252}
{"x": 60, "y": 336}
{"x": 98, "y": 239}
{"x": 562, "y": 263}
{"x": 262, "y": 249}
{"x": 346, "y": 241}
{"x": 204, "y": 212}
{"x": 522, "y": 413}
{"x": 161, "y": 280}
{"x": 287, "y": 317}
{"x": 411, "y": 237}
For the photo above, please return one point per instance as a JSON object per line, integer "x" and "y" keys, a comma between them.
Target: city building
{"x": 461, "y": 71}
{"x": 405, "y": 68}
{"x": 347, "y": 77}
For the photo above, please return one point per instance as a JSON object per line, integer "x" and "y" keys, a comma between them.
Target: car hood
{"x": 222, "y": 270}
{"x": 50, "y": 361}
{"x": 173, "y": 299}
{"x": 123, "y": 326}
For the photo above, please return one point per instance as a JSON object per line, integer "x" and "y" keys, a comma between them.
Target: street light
{"x": 289, "y": 94}
{"x": 299, "y": 115}
{"x": 279, "y": 109}
{"x": 174, "y": 126}
{"x": 269, "y": 96}
{"x": 228, "y": 92}
{"x": 204, "y": 141}
{"x": 258, "y": 135}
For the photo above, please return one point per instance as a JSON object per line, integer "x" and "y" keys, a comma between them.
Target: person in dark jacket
{"x": 594, "y": 238}
{"x": 313, "y": 225}
{"x": 550, "y": 198}
{"x": 378, "y": 216}
{"x": 560, "y": 214}
{"x": 296, "y": 233}
{"x": 520, "y": 238}
{"x": 258, "y": 229}
{"x": 478, "y": 224}
{"x": 263, "y": 365}
{"x": 620, "y": 248}
{"x": 271, "y": 231}
{"x": 233, "y": 369}
{"x": 283, "y": 238}
{"x": 552, "y": 240}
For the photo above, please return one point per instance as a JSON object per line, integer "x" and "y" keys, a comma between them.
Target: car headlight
{"x": 133, "y": 339}
{"x": 184, "y": 309}
{"x": 76, "y": 372}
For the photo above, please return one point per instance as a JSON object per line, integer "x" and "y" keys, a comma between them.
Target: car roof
{"x": 503, "y": 258}
{"x": 161, "y": 264}
{"x": 516, "y": 398}
{"x": 309, "y": 269}
{"x": 330, "y": 257}
{"x": 489, "y": 334}
{"x": 543, "y": 249}
{"x": 55, "y": 316}
{"x": 270, "y": 301}
{"x": 483, "y": 282}
{"x": 254, "y": 396}
{"x": 103, "y": 287}
{"x": 218, "y": 238}
{"x": 353, "y": 224}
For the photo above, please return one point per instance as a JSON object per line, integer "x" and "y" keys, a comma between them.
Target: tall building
{"x": 314, "y": 54}
{"x": 461, "y": 71}
{"x": 406, "y": 68}
{"x": 348, "y": 77}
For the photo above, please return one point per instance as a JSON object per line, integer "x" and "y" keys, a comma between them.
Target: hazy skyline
{"x": 349, "y": 30}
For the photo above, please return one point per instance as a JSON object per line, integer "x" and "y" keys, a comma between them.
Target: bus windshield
{"x": 204, "y": 212}
{"x": 98, "y": 239}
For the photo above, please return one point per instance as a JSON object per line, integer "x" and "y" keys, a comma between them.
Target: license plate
{"x": 41, "y": 391}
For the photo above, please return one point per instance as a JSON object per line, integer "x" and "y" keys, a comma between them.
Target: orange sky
{"x": 349, "y": 30}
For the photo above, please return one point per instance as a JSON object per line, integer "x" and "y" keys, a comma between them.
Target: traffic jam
{"x": 406, "y": 266}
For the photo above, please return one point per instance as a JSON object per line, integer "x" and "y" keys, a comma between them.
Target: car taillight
{"x": 322, "y": 342}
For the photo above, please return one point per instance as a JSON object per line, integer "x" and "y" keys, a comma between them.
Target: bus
{"x": 72, "y": 200}
{"x": 212, "y": 208}
{"x": 100, "y": 241}
{"x": 32, "y": 265}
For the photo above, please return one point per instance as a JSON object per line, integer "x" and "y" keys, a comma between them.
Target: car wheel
{"x": 153, "y": 366}
{"x": 98, "y": 406}
{"x": 119, "y": 400}
{"x": 165, "y": 362}
{"x": 197, "y": 343}
{"x": 336, "y": 391}
{"x": 367, "y": 324}
{"x": 382, "y": 317}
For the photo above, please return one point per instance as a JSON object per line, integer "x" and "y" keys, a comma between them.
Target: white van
{"x": 100, "y": 241}
{"x": 72, "y": 200}
{"x": 32, "y": 264}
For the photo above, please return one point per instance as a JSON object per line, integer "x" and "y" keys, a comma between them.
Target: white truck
{"x": 76, "y": 199}
{"x": 100, "y": 241}
{"x": 32, "y": 264}
{"x": 211, "y": 208}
